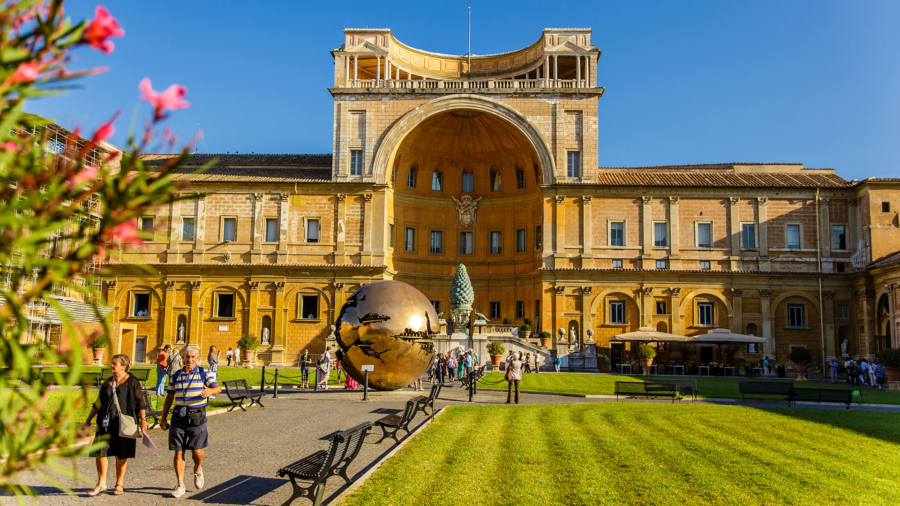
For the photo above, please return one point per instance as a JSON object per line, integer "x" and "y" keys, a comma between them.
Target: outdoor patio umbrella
{"x": 725, "y": 336}
{"x": 650, "y": 335}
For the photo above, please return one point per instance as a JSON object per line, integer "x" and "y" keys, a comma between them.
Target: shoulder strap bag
{"x": 127, "y": 426}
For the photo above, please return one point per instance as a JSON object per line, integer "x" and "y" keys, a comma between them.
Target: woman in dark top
{"x": 130, "y": 395}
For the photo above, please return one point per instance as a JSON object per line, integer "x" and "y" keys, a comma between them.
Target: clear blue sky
{"x": 814, "y": 82}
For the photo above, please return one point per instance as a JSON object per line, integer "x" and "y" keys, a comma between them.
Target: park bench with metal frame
{"x": 686, "y": 387}
{"x": 422, "y": 401}
{"x": 155, "y": 414}
{"x": 237, "y": 391}
{"x": 479, "y": 374}
{"x": 839, "y": 395}
{"x": 766, "y": 388}
{"x": 391, "y": 424}
{"x": 142, "y": 375}
{"x": 87, "y": 379}
{"x": 646, "y": 389}
{"x": 323, "y": 464}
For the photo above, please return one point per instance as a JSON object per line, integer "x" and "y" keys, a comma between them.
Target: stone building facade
{"x": 492, "y": 161}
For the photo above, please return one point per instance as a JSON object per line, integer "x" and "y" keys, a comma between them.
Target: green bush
{"x": 646, "y": 351}
{"x": 545, "y": 335}
{"x": 890, "y": 358}
{"x": 495, "y": 348}
{"x": 525, "y": 328}
{"x": 101, "y": 341}
{"x": 248, "y": 342}
{"x": 800, "y": 355}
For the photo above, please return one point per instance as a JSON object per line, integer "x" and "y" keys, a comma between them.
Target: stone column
{"x": 647, "y": 233}
{"x": 253, "y": 310}
{"x": 587, "y": 322}
{"x": 867, "y": 342}
{"x": 355, "y": 68}
{"x": 892, "y": 303}
{"x": 560, "y": 256}
{"x": 377, "y": 69}
{"x": 340, "y": 255}
{"x": 200, "y": 229}
{"x": 168, "y": 316}
{"x": 854, "y": 230}
{"x": 367, "y": 228}
{"x": 828, "y": 318}
{"x": 675, "y": 295}
{"x": 279, "y": 323}
{"x": 675, "y": 233}
{"x": 195, "y": 317}
{"x": 765, "y": 299}
{"x": 587, "y": 259}
{"x": 825, "y": 234}
{"x": 338, "y": 301}
{"x": 111, "y": 298}
{"x": 284, "y": 227}
{"x": 174, "y": 230}
{"x": 737, "y": 306}
{"x": 647, "y": 319}
{"x": 559, "y": 306}
{"x": 763, "y": 215}
{"x": 578, "y": 72}
{"x": 735, "y": 233}
{"x": 346, "y": 71}
{"x": 258, "y": 224}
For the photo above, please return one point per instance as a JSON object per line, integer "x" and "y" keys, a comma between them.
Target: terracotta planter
{"x": 545, "y": 341}
{"x": 98, "y": 353}
{"x": 525, "y": 334}
{"x": 646, "y": 363}
{"x": 800, "y": 368}
{"x": 892, "y": 373}
{"x": 248, "y": 355}
{"x": 495, "y": 359}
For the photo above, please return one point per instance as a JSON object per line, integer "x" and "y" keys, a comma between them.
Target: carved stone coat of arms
{"x": 466, "y": 209}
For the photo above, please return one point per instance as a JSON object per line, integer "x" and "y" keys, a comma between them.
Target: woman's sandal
{"x": 96, "y": 491}
{"x": 118, "y": 490}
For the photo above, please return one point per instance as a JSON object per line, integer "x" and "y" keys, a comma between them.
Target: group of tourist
{"x": 454, "y": 365}
{"x": 860, "y": 373}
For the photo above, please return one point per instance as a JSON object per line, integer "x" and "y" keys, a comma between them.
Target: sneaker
{"x": 198, "y": 480}
{"x": 178, "y": 492}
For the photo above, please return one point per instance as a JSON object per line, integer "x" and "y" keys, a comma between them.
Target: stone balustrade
{"x": 474, "y": 84}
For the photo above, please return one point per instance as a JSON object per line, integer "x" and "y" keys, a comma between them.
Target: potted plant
{"x": 525, "y": 331}
{"x": 248, "y": 344}
{"x": 646, "y": 353}
{"x": 99, "y": 344}
{"x": 545, "y": 338}
{"x": 890, "y": 360}
{"x": 495, "y": 350}
{"x": 800, "y": 356}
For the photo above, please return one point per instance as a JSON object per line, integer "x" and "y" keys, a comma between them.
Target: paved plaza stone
{"x": 247, "y": 448}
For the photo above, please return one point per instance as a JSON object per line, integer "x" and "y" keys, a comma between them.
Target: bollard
{"x": 316, "y": 387}
{"x": 471, "y": 391}
{"x": 262, "y": 381}
{"x": 276, "y": 384}
{"x": 366, "y": 387}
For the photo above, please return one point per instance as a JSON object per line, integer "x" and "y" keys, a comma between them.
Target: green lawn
{"x": 643, "y": 453}
{"x": 718, "y": 388}
{"x": 253, "y": 376}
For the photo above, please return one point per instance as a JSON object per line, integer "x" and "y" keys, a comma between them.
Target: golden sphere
{"x": 388, "y": 325}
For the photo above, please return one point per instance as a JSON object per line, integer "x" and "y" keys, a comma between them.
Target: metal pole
{"x": 471, "y": 379}
{"x": 262, "y": 380}
{"x": 316, "y": 388}
{"x": 366, "y": 387}
{"x": 276, "y": 384}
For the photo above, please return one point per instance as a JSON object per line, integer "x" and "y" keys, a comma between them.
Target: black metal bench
{"x": 141, "y": 374}
{"x": 237, "y": 391}
{"x": 391, "y": 424}
{"x": 87, "y": 379}
{"x": 843, "y": 396}
{"x": 479, "y": 373}
{"x": 422, "y": 401}
{"x": 766, "y": 388}
{"x": 155, "y": 414}
{"x": 686, "y": 387}
{"x": 646, "y": 389}
{"x": 323, "y": 464}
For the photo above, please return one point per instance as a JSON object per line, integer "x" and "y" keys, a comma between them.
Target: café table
{"x": 726, "y": 369}
{"x": 621, "y": 368}
{"x": 701, "y": 368}
{"x": 677, "y": 370}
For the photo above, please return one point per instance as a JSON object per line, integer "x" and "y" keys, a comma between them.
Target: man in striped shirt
{"x": 189, "y": 388}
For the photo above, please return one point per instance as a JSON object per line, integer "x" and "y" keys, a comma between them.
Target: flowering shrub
{"x": 65, "y": 202}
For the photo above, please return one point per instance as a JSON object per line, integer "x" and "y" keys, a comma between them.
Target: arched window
{"x": 437, "y": 181}
{"x": 468, "y": 181}
{"x": 496, "y": 184}
{"x": 520, "y": 176}
{"x": 411, "y": 178}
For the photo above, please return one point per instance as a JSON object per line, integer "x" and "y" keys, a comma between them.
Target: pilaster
{"x": 763, "y": 227}
{"x": 825, "y": 235}
{"x": 765, "y": 300}
{"x": 253, "y": 309}
{"x": 675, "y": 300}
{"x": 828, "y": 317}
{"x": 647, "y": 233}
{"x": 174, "y": 230}
{"x": 340, "y": 255}
{"x": 367, "y": 229}
{"x": 674, "y": 232}
{"x": 892, "y": 303}
{"x": 737, "y": 306}
{"x": 854, "y": 233}
{"x": 284, "y": 226}
{"x": 559, "y": 259}
{"x": 867, "y": 342}
{"x": 200, "y": 229}
{"x": 279, "y": 324}
{"x": 559, "y": 307}
{"x": 647, "y": 313}
{"x": 587, "y": 259}
{"x": 338, "y": 302}
{"x": 195, "y": 317}
{"x": 168, "y": 330}
{"x": 258, "y": 225}
{"x": 735, "y": 233}
{"x": 587, "y": 322}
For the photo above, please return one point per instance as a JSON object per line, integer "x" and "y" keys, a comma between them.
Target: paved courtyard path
{"x": 247, "y": 448}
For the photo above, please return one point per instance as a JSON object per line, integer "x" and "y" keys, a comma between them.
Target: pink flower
{"x": 169, "y": 99}
{"x": 124, "y": 233}
{"x": 9, "y": 146}
{"x": 105, "y": 131}
{"x": 102, "y": 27}
{"x": 25, "y": 73}
{"x": 86, "y": 174}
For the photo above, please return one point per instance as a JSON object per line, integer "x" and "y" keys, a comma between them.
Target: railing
{"x": 461, "y": 84}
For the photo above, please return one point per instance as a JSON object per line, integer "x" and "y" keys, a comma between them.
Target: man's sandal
{"x": 118, "y": 490}
{"x": 96, "y": 491}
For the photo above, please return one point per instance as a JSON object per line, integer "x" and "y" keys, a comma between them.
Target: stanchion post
{"x": 471, "y": 392}
{"x": 366, "y": 387}
{"x": 316, "y": 387}
{"x": 262, "y": 381}
{"x": 276, "y": 384}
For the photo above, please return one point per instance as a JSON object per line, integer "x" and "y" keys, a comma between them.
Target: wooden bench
{"x": 422, "y": 401}
{"x": 686, "y": 387}
{"x": 155, "y": 414}
{"x": 646, "y": 389}
{"x": 237, "y": 391}
{"x": 766, "y": 388}
{"x": 391, "y": 424}
{"x": 323, "y": 464}
{"x": 843, "y": 396}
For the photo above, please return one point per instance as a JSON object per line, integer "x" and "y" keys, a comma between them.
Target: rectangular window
{"x": 748, "y": 236}
{"x": 465, "y": 243}
{"x": 496, "y": 242}
{"x": 520, "y": 240}
{"x": 410, "y": 244}
{"x": 793, "y": 236}
{"x": 496, "y": 184}
{"x": 617, "y": 233}
{"x": 309, "y": 307}
{"x": 271, "y": 229}
{"x": 660, "y": 234}
{"x": 520, "y": 309}
{"x": 436, "y": 304}
{"x": 391, "y": 235}
{"x": 495, "y": 310}
{"x": 394, "y": 173}
{"x": 437, "y": 181}
{"x": 885, "y": 207}
{"x": 147, "y": 224}
{"x": 705, "y": 265}
{"x": 187, "y": 229}
{"x": 660, "y": 307}
{"x": 840, "y": 267}
{"x": 573, "y": 164}
{"x": 224, "y": 305}
{"x": 838, "y": 237}
{"x": 468, "y": 182}
{"x": 520, "y": 178}
{"x": 660, "y": 264}
{"x": 538, "y": 238}
{"x": 312, "y": 230}
{"x": 705, "y": 316}
{"x": 843, "y": 311}
{"x": 617, "y": 264}
{"x": 437, "y": 241}
{"x": 140, "y": 349}
{"x": 704, "y": 235}
{"x": 795, "y": 316}
{"x": 229, "y": 229}
{"x": 617, "y": 312}
{"x": 411, "y": 178}
{"x": 140, "y": 304}
{"x": 356, "y": 162}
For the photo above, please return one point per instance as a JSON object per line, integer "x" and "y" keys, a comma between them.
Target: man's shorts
{"x": 184, "y": 437}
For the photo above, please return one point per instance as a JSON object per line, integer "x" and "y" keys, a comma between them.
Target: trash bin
{"x": 780, "y": 371}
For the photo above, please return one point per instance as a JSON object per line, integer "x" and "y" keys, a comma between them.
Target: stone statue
{"x": 340, "y": 231}
{"x": 180, "y": 334}
{"x": 466, "y": 209}
{"x": 845, "y": 348}
{"x": 265, "y": 336}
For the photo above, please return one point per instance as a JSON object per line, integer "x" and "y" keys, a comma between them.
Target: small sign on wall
{"x": 223, "y": 328}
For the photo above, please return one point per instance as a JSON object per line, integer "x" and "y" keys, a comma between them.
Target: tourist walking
{"x": 162, "y": 367}
{"x": 213, "y": 359}
{"x": 470, "y": 362}
{"x": 556, "y": 362}
{"x": 513, "y": 377}
{"x": 189, "y": 391}
{"x": 879, "y": 375}
{"x": 527, "y": 363}
{"x": 833, "y": 367}
{"x": 305, "y": 360}
{"x": 175, "y": 363}
{"x": 324, "y": 369}
{"x": 229, "y": 356}
{"x": 765, "y": 365}
{"x": 120, "y": 396}
{"x": 451, "y": 366}
{"x": 237, "y": 356}
{"x": 338, "y": 368}
{"x": 852, "y": 376}
{"x": 862, "y": 371}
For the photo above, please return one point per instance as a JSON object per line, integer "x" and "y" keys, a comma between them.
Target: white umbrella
{"x": 650, "y": 334}
{"x": 725, "y": 336}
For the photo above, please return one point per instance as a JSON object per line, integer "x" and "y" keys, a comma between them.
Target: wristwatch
{"x": 144, "y": 419}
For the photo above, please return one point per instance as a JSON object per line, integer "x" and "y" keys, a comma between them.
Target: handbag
{"x": 127, "y": 426}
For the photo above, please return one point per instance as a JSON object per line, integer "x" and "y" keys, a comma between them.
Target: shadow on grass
{"x": 876, "y": 424}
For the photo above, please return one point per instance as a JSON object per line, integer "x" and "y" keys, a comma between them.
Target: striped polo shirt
{"x": 188, "y": 387}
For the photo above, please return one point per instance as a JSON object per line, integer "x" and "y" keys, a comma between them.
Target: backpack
{"x": 176, "y": 374}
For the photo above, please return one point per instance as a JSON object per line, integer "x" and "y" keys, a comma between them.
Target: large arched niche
{"x": 505, "y": 122}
